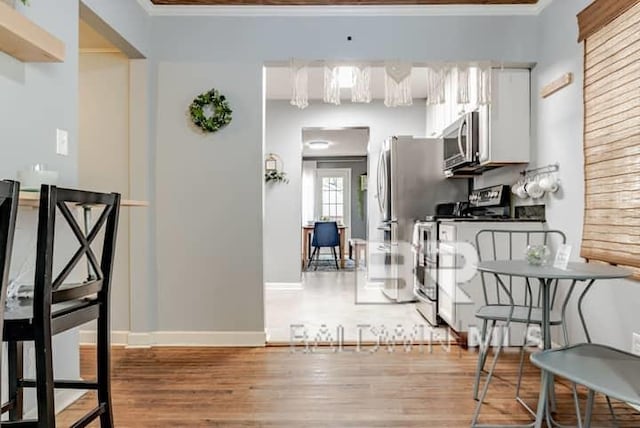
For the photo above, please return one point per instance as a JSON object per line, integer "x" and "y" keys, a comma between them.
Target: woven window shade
{"x": 611, "y": 230}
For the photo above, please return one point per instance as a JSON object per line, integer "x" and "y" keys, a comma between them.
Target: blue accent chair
{"x": 325, "y": 234}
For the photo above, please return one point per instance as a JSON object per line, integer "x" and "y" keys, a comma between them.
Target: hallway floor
{"x": 342, "y": 299}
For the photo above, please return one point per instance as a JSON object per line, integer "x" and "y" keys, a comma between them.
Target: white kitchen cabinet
{"x": 505, "y": 124}
{"x": 458, "y": 300}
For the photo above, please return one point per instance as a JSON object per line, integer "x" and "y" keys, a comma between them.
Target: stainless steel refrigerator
{"x": 409, "y": 185}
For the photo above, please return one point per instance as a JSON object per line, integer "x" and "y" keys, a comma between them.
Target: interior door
{"x": 333, "y": 197}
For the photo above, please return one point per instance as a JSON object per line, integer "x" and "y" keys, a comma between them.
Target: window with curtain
{"x": 611, "y": 230}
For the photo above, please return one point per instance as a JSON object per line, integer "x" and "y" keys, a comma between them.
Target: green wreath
{"x": 221, "y": 116}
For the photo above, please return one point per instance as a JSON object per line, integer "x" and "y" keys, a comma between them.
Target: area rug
{"x": 326, "y": 263}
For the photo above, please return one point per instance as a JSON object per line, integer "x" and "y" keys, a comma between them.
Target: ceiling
{"x": 90, "y": 39}
{"x": 343, "y": 141}
{"x": 338, "y": 2}
{"x": 279, "y": 83}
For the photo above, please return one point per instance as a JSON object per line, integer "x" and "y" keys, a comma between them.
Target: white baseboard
{"x": 118, "y": 337}
{"x": 209, "y": 338}
{"x": 180, "y": 338}
{"x": 283, "y": 286}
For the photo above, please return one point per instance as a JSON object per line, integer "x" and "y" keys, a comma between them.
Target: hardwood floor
{"x": 274, "y": 387}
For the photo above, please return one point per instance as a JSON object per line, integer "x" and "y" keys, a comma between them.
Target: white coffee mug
{"x": 521, "y": 191}
{"x": 534, "y": 189}
{"x": 549, "y": 183}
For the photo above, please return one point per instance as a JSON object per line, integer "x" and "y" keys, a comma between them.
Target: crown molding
{"x": 391, "y": 10}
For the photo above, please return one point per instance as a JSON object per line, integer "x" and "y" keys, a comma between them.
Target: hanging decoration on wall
{"x": 436, "y": 75}
{"x": 273, "y": 169}
{"x": 331, "y": 84}
{"x": 462, "y": 74}
{"x": 465, "y": 82}
{"x": 361, "y": 90}
{"x": 210, "y": 111}
{"x": 397, "y": 84}
{"x": 299, "y": 83}
{"x": 483, "y": 83}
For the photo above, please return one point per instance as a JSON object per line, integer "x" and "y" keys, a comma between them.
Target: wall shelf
{"x": 26, "y": 41}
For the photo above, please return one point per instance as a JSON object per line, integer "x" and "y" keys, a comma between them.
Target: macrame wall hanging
{"x": 331, "y": 84}
{"x": 463, "y": 73}
{"x": 483, "y": 83}
{"x": 436, "y": 76}
{"x": 299, "y": 83}
{"x": 338, "y": 77}
{"x": 397, "y": 84}
{"x": 472, "y": 83}
{"x": 361, "y": 89}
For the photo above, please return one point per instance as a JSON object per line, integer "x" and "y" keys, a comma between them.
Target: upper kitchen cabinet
{"x": 504, "y": 125}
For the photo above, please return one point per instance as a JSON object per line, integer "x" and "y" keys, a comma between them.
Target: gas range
{"x": 488, "y": 204}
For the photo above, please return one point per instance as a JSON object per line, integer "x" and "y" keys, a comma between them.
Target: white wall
{"x": 103, "y": 154}
{"x": 284, "y": 123}
{"x": 209, "y": 188}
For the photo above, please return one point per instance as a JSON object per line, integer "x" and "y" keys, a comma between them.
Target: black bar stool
{"x": 9, "y": 198}
{"x": 57, "y": 307}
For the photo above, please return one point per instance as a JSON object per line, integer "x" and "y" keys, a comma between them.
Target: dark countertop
{"x": 492, "y": 220}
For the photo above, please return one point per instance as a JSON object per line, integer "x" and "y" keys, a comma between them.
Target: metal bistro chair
{"x": 58, "y": 306}
{"x": 325, "y": 234}
{"x": 512, "y": 301}
{"x": 9, "y": 199}
{"x": 601, "y": 369}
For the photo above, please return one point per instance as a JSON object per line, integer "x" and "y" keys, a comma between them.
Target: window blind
{"x": 611, "y": 230}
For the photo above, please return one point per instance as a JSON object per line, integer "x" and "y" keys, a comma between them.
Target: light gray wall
{"x": 37, "y": 99}
{"x": 123, "y": 22}
{"x": 611, "y": 308}
{"x": 557, "y": 130}
{"x": 358, "y": 225}
{"x": 283, "y": 203}
{"x": 209, "y": 242}
{"x": 103, "y": 155}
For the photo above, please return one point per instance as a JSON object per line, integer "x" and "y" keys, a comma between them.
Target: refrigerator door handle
{"x": 380, "y": 184}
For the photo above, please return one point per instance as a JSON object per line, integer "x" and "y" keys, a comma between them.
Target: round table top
{"x": 575, "y": 270}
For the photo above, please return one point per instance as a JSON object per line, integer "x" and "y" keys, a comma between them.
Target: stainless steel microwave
{"x": 461, "y": 142}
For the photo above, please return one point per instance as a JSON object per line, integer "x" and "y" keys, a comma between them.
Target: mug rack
{"x": 541, "y": 170}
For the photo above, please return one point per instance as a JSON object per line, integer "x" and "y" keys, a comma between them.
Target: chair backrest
{"x": 499, "y": 244}
{"x": 9, "y": 199}
{"x": 48, "y": 289}
{"x": 325, "y": 234}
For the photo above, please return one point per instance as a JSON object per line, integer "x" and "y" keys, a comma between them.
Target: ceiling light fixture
{"x": 318, "y": 145}
{"x": 345, "y": 77}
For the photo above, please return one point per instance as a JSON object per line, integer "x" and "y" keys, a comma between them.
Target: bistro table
{"x": 546, "y": 275}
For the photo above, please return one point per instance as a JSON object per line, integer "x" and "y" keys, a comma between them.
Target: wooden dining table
{"x": 307, "y": 233}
